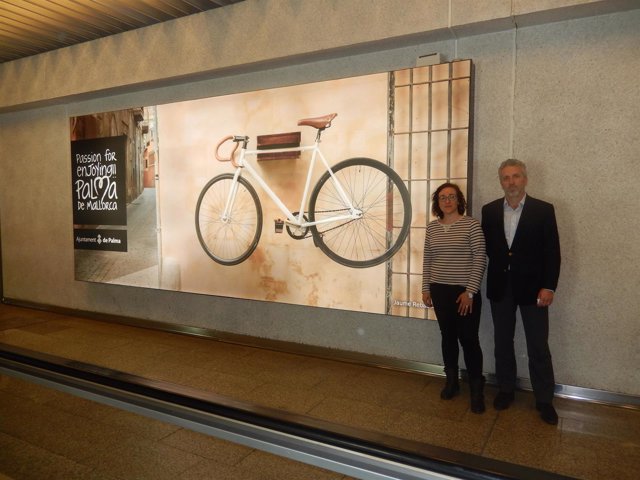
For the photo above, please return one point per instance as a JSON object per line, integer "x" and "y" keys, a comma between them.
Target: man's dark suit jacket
{"x": 534, "y": 257}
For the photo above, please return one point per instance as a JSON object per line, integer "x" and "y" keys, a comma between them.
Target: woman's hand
{"x": 426, "y": 299}
{"x": 465, "y": 304}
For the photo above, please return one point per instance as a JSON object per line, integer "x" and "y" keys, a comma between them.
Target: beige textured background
{"x": 556, "y": 85}
{"x": 281, "y": 269}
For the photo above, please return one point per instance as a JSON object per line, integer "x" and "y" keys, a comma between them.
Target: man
{"x": 524, "y": 265}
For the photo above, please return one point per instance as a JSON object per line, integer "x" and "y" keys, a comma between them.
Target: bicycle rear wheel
{"x": 232, "y": 240}
{"x": 382, "y": 197}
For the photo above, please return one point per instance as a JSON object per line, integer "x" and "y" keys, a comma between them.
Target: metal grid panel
{"x": 430, "y": 139}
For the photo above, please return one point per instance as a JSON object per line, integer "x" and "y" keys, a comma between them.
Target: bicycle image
{"x": 358, "y": 214}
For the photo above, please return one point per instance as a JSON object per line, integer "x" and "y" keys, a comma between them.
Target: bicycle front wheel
{"x": 233, "y": 239}
{"x": 379, "y": 194}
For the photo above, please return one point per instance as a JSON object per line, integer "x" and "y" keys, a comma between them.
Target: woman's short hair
{"x": 435, "y": 207}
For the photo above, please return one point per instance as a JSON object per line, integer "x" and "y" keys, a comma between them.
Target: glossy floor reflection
{"x": 590, "y": 442}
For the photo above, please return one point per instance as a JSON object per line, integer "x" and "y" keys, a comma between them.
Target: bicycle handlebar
{"x": 230, "y": 159}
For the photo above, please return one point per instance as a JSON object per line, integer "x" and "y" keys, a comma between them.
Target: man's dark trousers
{"x": 535, "y": 321}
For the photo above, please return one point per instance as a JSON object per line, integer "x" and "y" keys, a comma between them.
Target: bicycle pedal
{"x": 279, "y": 225}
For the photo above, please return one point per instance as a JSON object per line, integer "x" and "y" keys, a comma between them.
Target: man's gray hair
{"x": 513, "y": 162}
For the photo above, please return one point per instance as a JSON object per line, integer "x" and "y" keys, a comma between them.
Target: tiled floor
{"x": 44, "y": 430}
{"x": 46, "y": 434}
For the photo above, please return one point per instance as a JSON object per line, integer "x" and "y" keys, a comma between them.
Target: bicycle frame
{"x": 299, "y": 221}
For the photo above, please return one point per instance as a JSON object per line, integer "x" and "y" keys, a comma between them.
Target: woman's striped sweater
{"x": 456, "y": 256}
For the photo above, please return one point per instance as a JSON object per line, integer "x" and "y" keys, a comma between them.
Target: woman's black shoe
{"x": 476, "y": 388}
{"x": 452, "y": 386}
{"x": 503, "y": 400}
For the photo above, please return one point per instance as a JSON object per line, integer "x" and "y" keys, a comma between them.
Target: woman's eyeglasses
{"x": 444, "y": 198}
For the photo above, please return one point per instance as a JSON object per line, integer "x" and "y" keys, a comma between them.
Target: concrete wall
{"x": 556, "y": 85}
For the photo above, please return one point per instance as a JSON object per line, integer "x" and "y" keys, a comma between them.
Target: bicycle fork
{"x": 231, "y": 198}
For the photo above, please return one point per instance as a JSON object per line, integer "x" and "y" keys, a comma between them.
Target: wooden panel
{"x": 279, "y": 140}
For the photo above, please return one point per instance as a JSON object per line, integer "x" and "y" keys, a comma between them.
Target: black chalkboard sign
{"x": 99, "y": 181}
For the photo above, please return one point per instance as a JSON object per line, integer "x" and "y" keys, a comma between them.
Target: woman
{"x": 454, "y": 263}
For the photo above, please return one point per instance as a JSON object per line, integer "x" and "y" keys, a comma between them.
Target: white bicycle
{"x": 359, "y": 211}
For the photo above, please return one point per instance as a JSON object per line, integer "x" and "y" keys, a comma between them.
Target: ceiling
{"x": 29, "y": 27}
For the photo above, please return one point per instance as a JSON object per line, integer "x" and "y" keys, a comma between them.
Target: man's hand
{"x": 545, "y": 297}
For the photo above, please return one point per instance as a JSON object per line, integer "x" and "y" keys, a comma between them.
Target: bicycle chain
{"x": 333, "y": 228}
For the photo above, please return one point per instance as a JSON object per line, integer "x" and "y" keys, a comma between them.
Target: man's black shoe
{"x": 547, "y": 413}
{"x": 503, "y": 400}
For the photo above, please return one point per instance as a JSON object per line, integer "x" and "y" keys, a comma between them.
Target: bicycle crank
{"x": 296, "y": 231}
